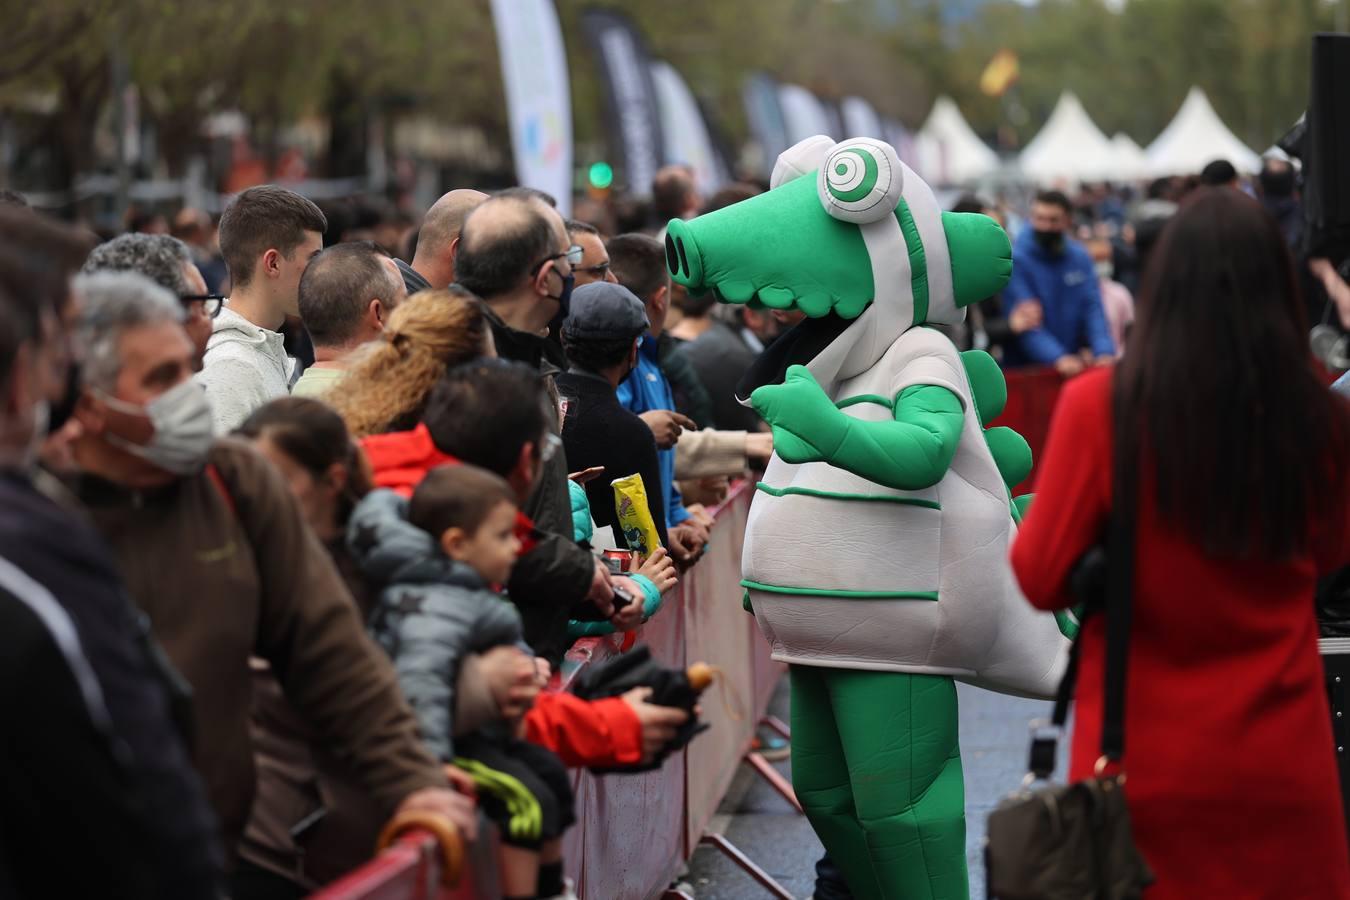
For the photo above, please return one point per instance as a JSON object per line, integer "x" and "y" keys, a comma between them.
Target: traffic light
{"x": 601, "y": 176}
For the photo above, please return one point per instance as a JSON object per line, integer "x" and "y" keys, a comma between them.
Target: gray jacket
{"x": 432, "y": 611}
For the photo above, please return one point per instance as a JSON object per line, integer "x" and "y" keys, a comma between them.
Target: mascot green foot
{"x": 876, "y": 766}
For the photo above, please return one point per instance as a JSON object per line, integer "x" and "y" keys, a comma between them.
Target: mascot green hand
{"x": 875, "y": 556}
{"x": 912, "y": 451}
{"x": 806, "y": 426}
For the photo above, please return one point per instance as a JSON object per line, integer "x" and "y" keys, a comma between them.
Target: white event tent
{"x": 1196, "y": 137}
{"x": 948, "y": 151}
{"x": 1129, "y": 160}
{"x": 1069, "y": 146}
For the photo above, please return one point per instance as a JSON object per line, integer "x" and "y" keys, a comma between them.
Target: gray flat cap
{"x": 603, "y": 311}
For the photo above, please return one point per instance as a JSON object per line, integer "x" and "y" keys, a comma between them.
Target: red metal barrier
{"x": 1032, "y": 394}
{"x": 408, "y": 869}
{"x": 633, "y": 832}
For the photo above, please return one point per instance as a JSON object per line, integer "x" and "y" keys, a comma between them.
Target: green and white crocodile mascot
{"x": 876, "y": 550}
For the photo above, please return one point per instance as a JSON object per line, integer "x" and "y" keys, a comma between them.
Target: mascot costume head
{"x": 876, "y": 551}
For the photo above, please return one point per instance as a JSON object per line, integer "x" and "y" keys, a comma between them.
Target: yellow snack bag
{"x": 635, "y": 519}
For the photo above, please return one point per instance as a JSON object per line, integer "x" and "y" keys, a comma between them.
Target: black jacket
{"x": 548, "y": 585}
{"x": 412, "y": 279}
{"x": 600, "y": 432}
{"x": 721, "y": 359}
{"x": 691, "y": 397}
{"x": 100, "y": 797}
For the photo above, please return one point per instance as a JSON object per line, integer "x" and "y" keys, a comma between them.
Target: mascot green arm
{"x": 909, "y": 453}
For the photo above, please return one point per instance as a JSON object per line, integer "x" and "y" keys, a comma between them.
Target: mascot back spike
{"x": 876, "y": 550}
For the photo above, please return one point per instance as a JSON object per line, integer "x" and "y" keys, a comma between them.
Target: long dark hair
{"x": 1219, "y": 396}
{"x": 315, "y": 437}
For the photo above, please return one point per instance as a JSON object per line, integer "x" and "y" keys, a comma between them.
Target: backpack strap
{"x": 213, "y": 473}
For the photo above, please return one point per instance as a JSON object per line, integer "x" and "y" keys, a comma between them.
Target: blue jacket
{"x": 1066, "y": 285}
{"x": 643, "y": 391}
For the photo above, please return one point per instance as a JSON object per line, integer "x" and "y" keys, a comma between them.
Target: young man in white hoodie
{"x": 268, "y": 235}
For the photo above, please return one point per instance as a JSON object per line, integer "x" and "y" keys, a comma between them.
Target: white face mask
{"x": 1105, "y": 269}
{"x": 184, "y": 429}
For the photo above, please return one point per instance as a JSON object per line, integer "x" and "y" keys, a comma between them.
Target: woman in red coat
{"x": 1232, "y": 779}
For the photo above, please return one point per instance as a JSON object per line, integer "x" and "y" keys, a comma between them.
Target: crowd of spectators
{"x": 1079, "y": 257}
{"x": 296, "y": 560}
{"x": 300, "y": 510}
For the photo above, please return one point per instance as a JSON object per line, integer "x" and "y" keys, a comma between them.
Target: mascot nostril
{"x": 672, "y": 257}
{"x": 876, "y": 549}
{"x": 682, "y": 256}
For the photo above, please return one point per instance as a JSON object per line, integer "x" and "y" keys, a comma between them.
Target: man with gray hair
{"x": 217, "y": 554}
{"x": 167, "y": 262}
{"x": 346, "y": 296}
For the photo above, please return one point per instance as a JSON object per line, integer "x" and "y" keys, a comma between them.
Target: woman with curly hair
{"x": 387, "y": 386}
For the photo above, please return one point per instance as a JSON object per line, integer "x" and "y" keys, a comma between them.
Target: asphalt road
{"x": 763, "y": 825}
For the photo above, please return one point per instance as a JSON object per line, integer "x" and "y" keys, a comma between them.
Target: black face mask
{"x": 1050, "y": 241}
{"x": 64, "y": 407}
{"x": 565, "y": 298}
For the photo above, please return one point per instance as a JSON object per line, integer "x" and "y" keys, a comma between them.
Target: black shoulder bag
{"x": 1075, "y": 841}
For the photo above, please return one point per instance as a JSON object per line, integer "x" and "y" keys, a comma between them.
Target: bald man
{"x": 516, "y": 255}
{"x": 433, "y": 266}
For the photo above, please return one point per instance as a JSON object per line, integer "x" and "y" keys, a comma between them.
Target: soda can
{"x": 617, "y": 560}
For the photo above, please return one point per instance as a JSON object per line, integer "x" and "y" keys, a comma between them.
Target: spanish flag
{"x": 1000, "y": 74}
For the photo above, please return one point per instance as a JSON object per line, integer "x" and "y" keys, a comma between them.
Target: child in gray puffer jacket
{"x": 437, "y": 559}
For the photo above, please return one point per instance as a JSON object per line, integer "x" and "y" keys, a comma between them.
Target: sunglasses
{"x": 211, "y": 303}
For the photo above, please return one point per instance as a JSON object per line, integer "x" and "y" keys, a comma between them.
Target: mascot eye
{"x": 860, "y": 181}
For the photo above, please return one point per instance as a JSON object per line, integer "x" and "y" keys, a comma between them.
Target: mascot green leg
{"x": 876, "y": 766}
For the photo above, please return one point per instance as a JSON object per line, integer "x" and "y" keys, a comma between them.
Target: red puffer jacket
{"x": 601, "y": 733}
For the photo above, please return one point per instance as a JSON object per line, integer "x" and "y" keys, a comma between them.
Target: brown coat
{"x": 311, "y": 822}
{"x": 230, "y": 570}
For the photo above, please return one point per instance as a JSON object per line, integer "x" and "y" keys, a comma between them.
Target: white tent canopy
{"x": 1129, "y": 161}
{"x": 949, "y": 152}
{"x": 1069, "y": 146}
{"x": 1196, "y": 137}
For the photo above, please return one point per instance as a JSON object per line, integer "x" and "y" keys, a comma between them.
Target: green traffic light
{"x": 602, "y": 176}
